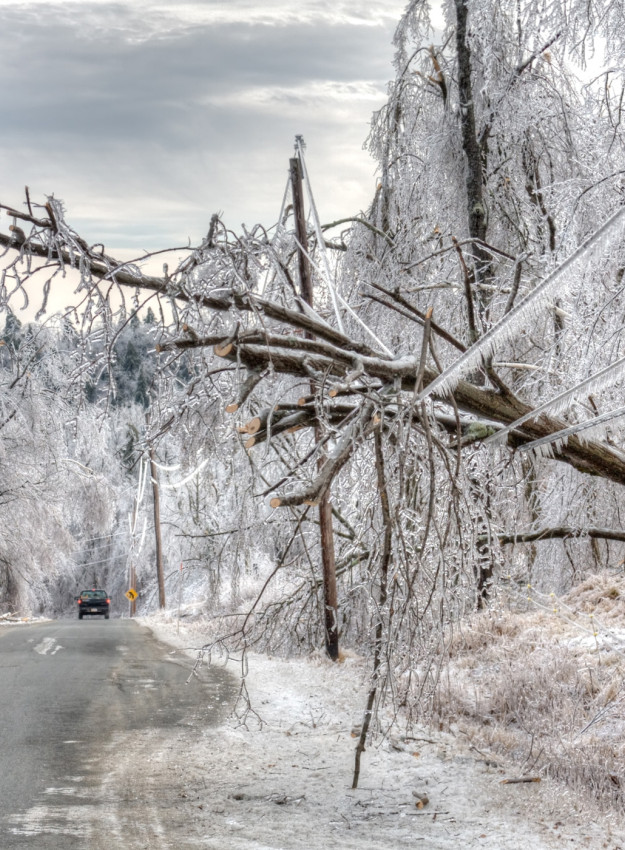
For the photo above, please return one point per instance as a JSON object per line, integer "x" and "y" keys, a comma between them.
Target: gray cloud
{"x": 146, "y": 130}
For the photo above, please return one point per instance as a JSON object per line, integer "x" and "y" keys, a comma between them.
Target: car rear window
{"x": 93, "y": 594}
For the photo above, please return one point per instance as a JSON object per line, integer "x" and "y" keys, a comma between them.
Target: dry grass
{"x": 546, "y": 687}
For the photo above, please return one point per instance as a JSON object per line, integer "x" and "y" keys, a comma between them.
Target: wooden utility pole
{"x": 157, "y": 531}
{"x": 325, "y": 507}
{"x": 132, "y": 578}
{"x": 305, "y": 277}
{"x": 133, "y": 585}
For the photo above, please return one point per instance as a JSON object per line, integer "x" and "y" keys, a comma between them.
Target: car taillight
{"x": 108, "y": 601}
{"x": 79, "y": 601}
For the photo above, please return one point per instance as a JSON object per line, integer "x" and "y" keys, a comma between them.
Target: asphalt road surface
{"x": 67, "y": 691}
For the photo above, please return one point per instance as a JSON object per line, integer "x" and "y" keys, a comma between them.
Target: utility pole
{"x": 325, "y": 507}
{"x": 131, "y": 572}
{"x": 133, "y": 584}
{"x": 157, "y": 531}
{"x": 305, "y": 277}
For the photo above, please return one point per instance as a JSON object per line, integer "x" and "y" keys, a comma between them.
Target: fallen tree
{"x": 329, "y": 357}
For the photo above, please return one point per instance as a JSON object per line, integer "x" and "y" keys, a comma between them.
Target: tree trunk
{"x": 379, "y": 626}
{"x": 330, "y": 599}
{"x": 473, "y": 155}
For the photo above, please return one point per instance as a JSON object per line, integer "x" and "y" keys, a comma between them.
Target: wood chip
{"x": 254, "y": 425}
{"x": 222, "y": 350}
{"x": 421, "y": 799}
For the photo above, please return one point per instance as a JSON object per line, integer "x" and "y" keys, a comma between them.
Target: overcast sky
{"x": 147, "y": 117}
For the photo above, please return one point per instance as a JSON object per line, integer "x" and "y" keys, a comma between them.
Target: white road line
{"x": 46, "y": 645}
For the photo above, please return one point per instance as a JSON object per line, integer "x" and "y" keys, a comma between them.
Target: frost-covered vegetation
{"x": 356, "y": 465}
{"x": 540, "y": 678}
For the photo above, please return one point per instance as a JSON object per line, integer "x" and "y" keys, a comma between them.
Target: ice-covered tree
{"x": 51, "y": 498}
{"x": 485, "y": 279}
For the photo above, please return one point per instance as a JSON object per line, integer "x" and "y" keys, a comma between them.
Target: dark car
{"x": 93, "y": 602}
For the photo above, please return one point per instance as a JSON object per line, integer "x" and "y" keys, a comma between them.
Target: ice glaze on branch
{"x": 354, "y": 434}
{"x": 563, "y": 533}
{"x": 329, "y": 353}
{"x": 224, "y": 299}
{"x": 590, "y": 457}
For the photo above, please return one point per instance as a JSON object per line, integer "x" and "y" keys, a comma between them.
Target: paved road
{"x": 67, "y": 689}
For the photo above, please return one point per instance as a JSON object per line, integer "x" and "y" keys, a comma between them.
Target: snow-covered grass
{"x": 278, "y": 777}
{"x": 546, "y": 687}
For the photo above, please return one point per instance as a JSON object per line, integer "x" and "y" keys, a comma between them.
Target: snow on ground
{"x": 285, "y": 783}
{"x": 541, "y": 679}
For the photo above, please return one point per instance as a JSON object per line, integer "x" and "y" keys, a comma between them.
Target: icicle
{"x": 560, "y": 436}
{"x": 558, "y": 403}
{"x": 512, "y": 322}
{"x": 545, "y": 451}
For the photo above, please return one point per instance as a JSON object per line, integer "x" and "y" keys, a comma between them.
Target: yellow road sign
{"x": 131, "y": 594}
